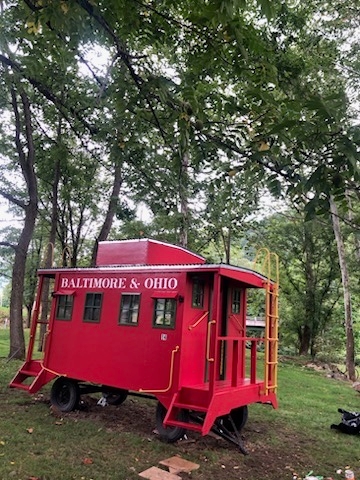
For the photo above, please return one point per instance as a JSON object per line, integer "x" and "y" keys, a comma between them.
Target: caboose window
{"x": 164, "y": 314}
{"x": 129, "y": 310}
{"x": 92, "y": 307}
{"x": 236, "y": 301}
{"x": 198, "y": 293}
{"x": 64, "y": 307}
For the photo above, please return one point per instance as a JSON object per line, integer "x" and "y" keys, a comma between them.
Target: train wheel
{"x": 115, "y": 396}
{"x": 65, "y": 394}
{"x": 170, "y": 434}
{"x": 238, "y": 415}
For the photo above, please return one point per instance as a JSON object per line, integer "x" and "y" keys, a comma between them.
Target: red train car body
{"x": 155, "y": 319}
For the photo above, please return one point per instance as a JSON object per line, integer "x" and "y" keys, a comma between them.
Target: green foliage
{"x": 230, "y": 80}
{"x": 309, "y": 277}
{"x": 6, "y": 289}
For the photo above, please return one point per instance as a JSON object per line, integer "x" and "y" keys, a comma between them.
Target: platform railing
{"x": 237, "y": 359}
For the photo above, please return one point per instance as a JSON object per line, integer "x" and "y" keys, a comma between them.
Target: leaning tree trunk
{"x": 23, "y": 128}
{"x": 17, "y": 340}
{"x": 108, "y": 221}
{"x": 350, "y": 349}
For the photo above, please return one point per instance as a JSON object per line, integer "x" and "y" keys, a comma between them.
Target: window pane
{"x": 159, "y": 311}
{"x": 164, "y": 312}
{"x": 97, "y": 300}
{"x": 92, "y": 307}
{"x": 198, "y": 294}
{"x": 64, "y": 307}
{"x": 236, "y": 301}
{"x": 129, "y": 309}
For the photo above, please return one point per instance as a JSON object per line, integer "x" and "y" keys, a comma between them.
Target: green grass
{"x": 4, "y": 341}
{"x": 119, "y": 440}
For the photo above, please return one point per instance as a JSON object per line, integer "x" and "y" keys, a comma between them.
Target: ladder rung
{"x": 187, "y": 406}
{"x": 28, "y": 373}
{"x": 22, "y": 386}
{"x": 190, "y": 426}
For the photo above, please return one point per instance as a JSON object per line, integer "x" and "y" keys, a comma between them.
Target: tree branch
{"x": 59, "y": 104}
{"x": 12, "y": 199}
{"x": 8, "y": 244}
{"x": 124, "y": 55}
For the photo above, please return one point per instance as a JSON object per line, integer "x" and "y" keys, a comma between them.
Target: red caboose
{"x": 155, "y": 319}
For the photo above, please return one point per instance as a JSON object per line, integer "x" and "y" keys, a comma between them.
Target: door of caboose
{"x": 231, "y": 331}
{"x": 197, "y": 328}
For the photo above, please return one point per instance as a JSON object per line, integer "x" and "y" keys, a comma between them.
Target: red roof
{"x": 144, "y": 252}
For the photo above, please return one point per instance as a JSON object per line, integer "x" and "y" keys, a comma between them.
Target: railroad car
{"x": 155, "y": 319}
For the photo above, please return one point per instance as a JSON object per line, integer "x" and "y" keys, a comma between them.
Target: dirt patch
{"x": 268, "y": 459}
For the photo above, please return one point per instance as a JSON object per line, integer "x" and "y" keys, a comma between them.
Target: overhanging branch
{"x": 13, "y": 199}
{"x": 8, "y": 244}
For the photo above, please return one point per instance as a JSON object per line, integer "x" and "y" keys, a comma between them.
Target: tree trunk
{"x": 226, "y": 239}
{"x": 50, "y": 248}
{"x": 350, "y": 217}
{"x": 350, "y": 349}
{"x": 28, "y": 315}
{"x": 26, "y": 161}
{"x": 75, "y": 229}
{"x": 106, "y": 227}
{"x": 310, "y": 319}
{"x": 304, "y": 339}
{"x": 184, "y": 206}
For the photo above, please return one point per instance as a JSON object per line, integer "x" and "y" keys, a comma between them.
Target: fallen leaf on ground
{"x": 87, "y": 461}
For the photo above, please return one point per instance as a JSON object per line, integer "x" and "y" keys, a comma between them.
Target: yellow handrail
{"x": 267, "y": 263}
{"x": 66, "y": 251}
{"x": 172, "y": 361}
{"x": 190, "y": 327}
{"x": 208, "y": 341}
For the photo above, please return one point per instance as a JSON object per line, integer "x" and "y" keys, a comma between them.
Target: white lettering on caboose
{"x": 105, "y": 283}
{"x": 160, "y": 283}
{"x": 93, "y": 282}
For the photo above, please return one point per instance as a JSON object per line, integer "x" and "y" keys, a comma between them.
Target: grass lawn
{"x": 118, "y": 442}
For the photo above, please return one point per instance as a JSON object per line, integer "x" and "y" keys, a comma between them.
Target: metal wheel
{"x": 115, "y": 396}
{"x": 238, "y": 415}
{"x": 170, "y": 434}
{"x": 65, "y": 394}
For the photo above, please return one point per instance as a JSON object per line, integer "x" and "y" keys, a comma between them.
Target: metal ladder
{"x": 270, "y": 269}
